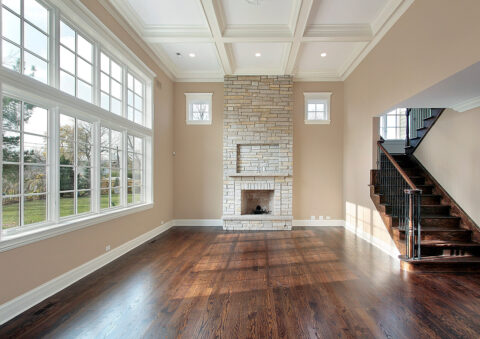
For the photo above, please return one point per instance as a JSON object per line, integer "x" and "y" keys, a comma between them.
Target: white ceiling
{"x": 290, "y": 35}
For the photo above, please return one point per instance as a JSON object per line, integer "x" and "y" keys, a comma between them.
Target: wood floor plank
{"x": 208, "y": 283}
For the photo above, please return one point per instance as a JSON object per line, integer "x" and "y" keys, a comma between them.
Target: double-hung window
{"x": 25, "y": 37}
{"x": 76, "y": 158}
{"x": 111, "y": 168}
{"x": 24, "y": 157}
{"x": 135, "y": 171}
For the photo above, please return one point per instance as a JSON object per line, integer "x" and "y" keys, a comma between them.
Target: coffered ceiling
{"x": 316, "y": 40}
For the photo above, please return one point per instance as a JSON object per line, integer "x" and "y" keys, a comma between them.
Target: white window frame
{"x": 398, "y": 113}
{"x": 317, "y": 98}
{"x": 198, "y": 98}
{"x": 49, "y": 96}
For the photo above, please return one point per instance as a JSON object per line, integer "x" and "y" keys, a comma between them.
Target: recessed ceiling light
{"x": 191, "y": 55}
{"x": 323, "y": 55}
{"x": 258, "y": 54}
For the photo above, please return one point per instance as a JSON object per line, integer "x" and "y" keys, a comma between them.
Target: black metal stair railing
{"x": 402, "y": 200}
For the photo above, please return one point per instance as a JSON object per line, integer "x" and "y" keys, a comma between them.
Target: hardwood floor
{"x": 306, "y": 283}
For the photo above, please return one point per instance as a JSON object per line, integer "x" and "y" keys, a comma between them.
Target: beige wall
{"x": 29, "y": 266}
{"x": 317, "y": 156}
{"x": 198, "y": 163}
{"x": 317, "y": 181}
{"x": 451, "y": 153}
{"x": 431, "y": 41}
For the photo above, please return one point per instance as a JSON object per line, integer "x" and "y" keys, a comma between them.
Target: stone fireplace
{"x": 257, "y": 152}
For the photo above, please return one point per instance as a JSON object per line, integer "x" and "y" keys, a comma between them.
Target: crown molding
{"x": 349, "y": 32}
{"x": 134, "y": 33}
{"x": 316, "y": 76}
{"x": 467, "y": 105}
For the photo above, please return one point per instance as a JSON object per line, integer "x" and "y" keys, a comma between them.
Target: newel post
{"x": 413, "y": 223}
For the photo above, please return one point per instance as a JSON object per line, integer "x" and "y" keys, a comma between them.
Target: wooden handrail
{"x": 397, "y": 166}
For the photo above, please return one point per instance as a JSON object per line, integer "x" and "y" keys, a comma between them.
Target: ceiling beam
{"x": 216, "y": 24}
{"x": 303, "y": 15}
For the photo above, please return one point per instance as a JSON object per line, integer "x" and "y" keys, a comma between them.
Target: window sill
{"x": 199, "y": 122}
{"x": 317, "y": 122}
{"x": 9, "y": 242}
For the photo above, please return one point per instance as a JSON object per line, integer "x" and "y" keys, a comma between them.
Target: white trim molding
{"x": 467, "y": 105}
{"x": 198, "y": 222}
{"x": 319, "y": 223}
{"x": 20, "y": 304}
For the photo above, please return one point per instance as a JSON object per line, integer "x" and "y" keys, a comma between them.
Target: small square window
{"x": 199, "y": 108}
{"x": 317, "y": 108}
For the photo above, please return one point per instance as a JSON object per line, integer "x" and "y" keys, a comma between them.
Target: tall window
{"x": 24, "y": 176}
{"x": 25, "y": 27}
{"x": 110, "y": 85}
{"x": 76, "y": 63}
{"x": 136, "y": 186}
{"x": 135, "y": 99}
{"x": 76, "y": 153}
{"x": 111, "y": 168}
{"x": 393, "y": 125}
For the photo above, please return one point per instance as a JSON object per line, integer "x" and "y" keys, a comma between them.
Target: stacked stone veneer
{"x": 257, "y": 148}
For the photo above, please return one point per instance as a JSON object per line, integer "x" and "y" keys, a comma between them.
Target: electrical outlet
{"x": 320, "y": 217}
{"x": 328, "y": 217}
{"x": 107, "y": 248}
{"x": 312, "y": 217}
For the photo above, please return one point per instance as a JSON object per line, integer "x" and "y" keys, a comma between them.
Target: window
{"x": 199, "y": 108}
{"x": 64, "y": 161}
{"x": 111, "y": 89}
{"x": 76, "y": 153}
{"x": 135, "y": 170}
{"x": 25, "y": 38}
{"x": 135, "y": 99}
{"x": 76, "y": 63}
{"x": 317, "y": 108}
{"x": 393, "y": 125}
{"x": 24, "y": 155}
{"x": 111, "y": 162}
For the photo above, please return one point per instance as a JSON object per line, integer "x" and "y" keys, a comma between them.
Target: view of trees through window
{"x": 111, "y": 155}
{"x": 24, "y": 152}
{"x": 76, "y": 138}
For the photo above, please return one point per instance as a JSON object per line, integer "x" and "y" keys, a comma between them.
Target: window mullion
{"x": 96, "y": 177}
{"x": 53, "y": 46}
{"x": 96, "y": 75}
{"x": 124, "y": 170}
{"x": 53, "y": 147}
{"x": 21, "y": 167}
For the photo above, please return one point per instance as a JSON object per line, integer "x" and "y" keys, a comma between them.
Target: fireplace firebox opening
{"x": 257, "y": 201}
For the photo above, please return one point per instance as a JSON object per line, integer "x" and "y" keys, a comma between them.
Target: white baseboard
{"x": 389, "y": 249}
{"x": 198, "y": 222}
{"x": 319, "y": 223}
{"x": 14, "y": 307}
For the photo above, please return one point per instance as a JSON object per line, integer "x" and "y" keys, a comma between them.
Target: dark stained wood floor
{"x": 306, "y": 283}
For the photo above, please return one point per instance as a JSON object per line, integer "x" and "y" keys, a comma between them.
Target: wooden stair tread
{"x": 444, "y": 259}
{"x": 444, "y": 243}
{"x": 437, "y": 229}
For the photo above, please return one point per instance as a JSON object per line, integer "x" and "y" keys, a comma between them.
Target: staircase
{"x": 432, "y": 233}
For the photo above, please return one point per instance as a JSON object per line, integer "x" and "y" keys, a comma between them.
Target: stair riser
{"x": 435, "y": 209}
{"x": 440, "y": 222}
{"x": 428, "y": 251}
{"x": 439, "y": 267}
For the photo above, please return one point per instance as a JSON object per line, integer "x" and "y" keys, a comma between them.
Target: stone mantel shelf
{"x": 257, "y": 217}
{"x": 260, "y": 174}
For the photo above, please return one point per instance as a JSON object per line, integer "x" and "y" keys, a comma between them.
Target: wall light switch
{"x": 312, "y": 217}
{"x": 328, "y": 217}
{"x": 107, "y": 248}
